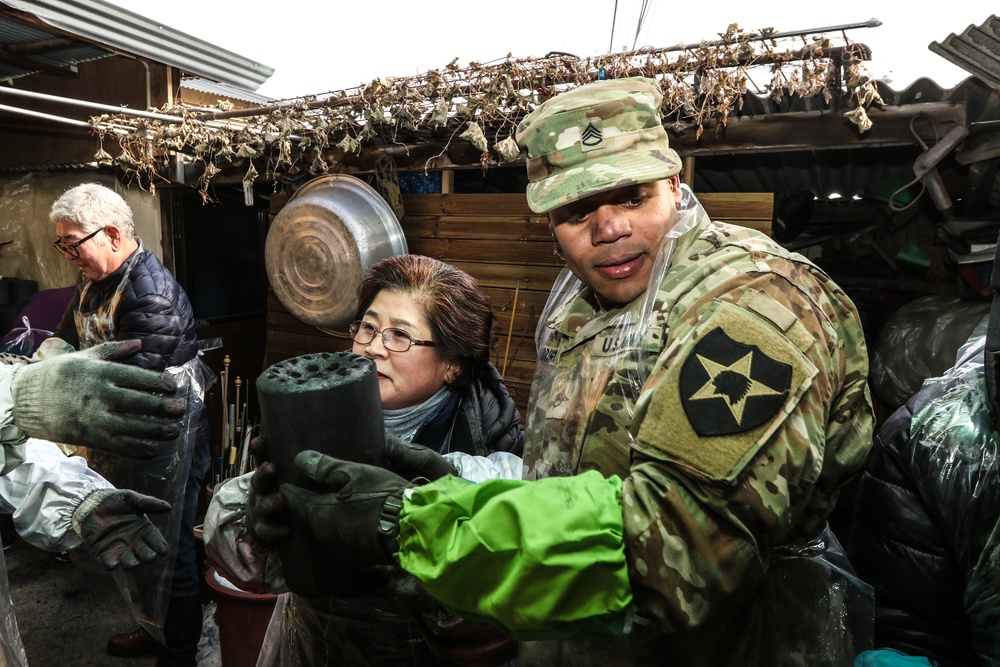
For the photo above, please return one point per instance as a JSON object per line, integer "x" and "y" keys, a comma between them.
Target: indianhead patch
{"x": 729, "y": 387}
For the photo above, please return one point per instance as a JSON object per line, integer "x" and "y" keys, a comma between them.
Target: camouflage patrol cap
{"x": 598, "y": 137}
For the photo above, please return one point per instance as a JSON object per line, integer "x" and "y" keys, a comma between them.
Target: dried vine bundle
{"x": 703, "y": 85}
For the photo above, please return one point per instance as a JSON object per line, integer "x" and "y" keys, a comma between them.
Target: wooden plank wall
{"x": 508, "y": 249}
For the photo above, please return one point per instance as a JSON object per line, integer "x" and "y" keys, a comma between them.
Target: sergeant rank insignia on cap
{"x": 727, "y": 387}
{"x": 591, "y": 136}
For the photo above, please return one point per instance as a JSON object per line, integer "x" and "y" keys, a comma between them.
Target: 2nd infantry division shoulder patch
{"x": 728, "y": 387}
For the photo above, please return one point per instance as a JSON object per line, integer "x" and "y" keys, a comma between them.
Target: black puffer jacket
{"x": 488, "y": 421}
{"x": 927, "y": 527}
{"x": 484, "y": 421}
{"x": 153, "y": 308}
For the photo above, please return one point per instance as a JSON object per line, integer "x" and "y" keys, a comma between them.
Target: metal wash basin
{"x": 331, "y": 231}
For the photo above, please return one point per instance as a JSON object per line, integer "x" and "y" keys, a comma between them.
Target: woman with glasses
{"x": 428, "y": 328}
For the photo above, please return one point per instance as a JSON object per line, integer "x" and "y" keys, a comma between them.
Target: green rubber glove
{"x": 357, "y": 516}
{"x": 114, "y": 527}
{"x": 87, "y": 398}
{"x": 412, "y": 461}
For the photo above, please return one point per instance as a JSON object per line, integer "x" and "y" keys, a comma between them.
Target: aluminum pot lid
{"x": 331, "y": 231}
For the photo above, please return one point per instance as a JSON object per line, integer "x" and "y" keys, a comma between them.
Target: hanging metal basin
{"x": 331, "y": 231}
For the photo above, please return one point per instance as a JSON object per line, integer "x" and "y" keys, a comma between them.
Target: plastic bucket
{"x": 242, "y": 618}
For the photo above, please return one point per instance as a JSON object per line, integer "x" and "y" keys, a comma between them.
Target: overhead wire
{"x": 611, "y": 40}
{"x": 645, "y": 10}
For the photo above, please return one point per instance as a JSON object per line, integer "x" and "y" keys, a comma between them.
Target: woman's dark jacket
{"x": 927, "y": 526}
{"x": 486, "y": 420}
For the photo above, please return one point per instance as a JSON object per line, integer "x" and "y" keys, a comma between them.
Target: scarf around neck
{"x": 405, "y": 423}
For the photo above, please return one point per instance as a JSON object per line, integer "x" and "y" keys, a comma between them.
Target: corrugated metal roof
{"x": 842, "y": 171}
{"x": 976, "y": 50}
{"x": 15, "y": 32}
{"x": 118, "y": 29}
{"x": 225, "y": 90}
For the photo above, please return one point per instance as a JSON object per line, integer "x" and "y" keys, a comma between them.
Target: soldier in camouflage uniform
{"x": 700, "y": 397}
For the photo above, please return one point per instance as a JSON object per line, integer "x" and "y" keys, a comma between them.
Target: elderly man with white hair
{"x": 125, "y": 293}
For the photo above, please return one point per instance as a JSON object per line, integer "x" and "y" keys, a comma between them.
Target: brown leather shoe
{"x": 137, "y": 642}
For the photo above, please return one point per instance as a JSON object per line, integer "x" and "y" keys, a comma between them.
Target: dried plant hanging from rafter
{"x": 703, "y": 85}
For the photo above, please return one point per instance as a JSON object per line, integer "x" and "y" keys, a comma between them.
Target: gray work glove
{"x": 266, "y": 514}
{"x": 412, "y": 461}
{"x": 87, "y": 398}
{"x": 114, "y": 527}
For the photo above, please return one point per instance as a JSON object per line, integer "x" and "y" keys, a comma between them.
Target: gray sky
{"x": 316, "y": 47}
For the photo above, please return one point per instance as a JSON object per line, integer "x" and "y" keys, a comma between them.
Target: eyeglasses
{"x": 71, "y": 248}
{"x": 395, "y": 340}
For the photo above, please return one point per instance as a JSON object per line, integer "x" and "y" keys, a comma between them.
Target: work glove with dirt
{"x": 412, "y": 461}
{"x": 114, "y": 527}
{"x": 90, "y": 399}
{"x": 266, "y": 512}
{"x": 356, "y": 516}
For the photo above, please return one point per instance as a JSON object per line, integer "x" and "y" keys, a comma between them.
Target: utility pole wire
{"x": 611, "y": 41}
{"x": 642, "y": 17}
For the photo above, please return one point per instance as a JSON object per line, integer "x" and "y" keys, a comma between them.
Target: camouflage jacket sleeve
{"x": 755, "y": 413}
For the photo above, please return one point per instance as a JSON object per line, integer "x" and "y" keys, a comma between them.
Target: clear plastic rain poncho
{"x": 147, "y": 589}
{"x": 814, "y": 580}
{"x": 919, "y": 341}
{"x": 951, "y": 456}
{"x": 11, "y": 650}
